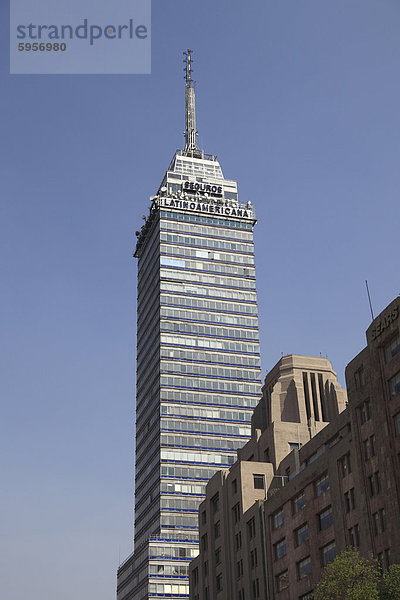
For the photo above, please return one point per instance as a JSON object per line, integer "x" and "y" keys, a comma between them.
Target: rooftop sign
{"x": 195, "y": 205}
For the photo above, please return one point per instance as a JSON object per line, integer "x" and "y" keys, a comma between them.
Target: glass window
{"x": 378, "y": 482}
{"x": 239, "y": 569}
{"x": 367, "y": 450}
{"x": 381, "y": 561}
{"x": 299, "y": 502}
{"x": 392, "y": 348}
{"x": 278, "y": 519}
{"x": 282, "y": 581}
{"x": 325, "y": 519}
{"x": 251, "y": 528}
{"x": 351, "y": 537}
{"x": 253, "y": 558}
{"x": 217, "y": 529}
{"x": 322, "y": 485}
{"x": 371, "y": 482}
{"x": 382, "y": 514}
{"x": 396, "y": 420}
{"x": 236, "y": 512}
{"x": 258, "y": 482}
{"x": 218, "y": 555}
{"x": 377, "y": 524}
{"x": 215, "y": 504}
{"x": 357, "y": 534}
{"x": 280, "y": 548}
{"x": 328, "y": 553}
{"x": 301, "y": 534}
{"x": 388, "y": 558}
{"x": 304, "y": 567}
{"x": 234, "y": 486}
{"x": 353, "y": 498}
{"x": 204, "y": 542}
{"x": 345, "y": 465}
{"x": 219, "y": 582}
{"x": 238, "y": 540}
{"x": 394, "y": 384}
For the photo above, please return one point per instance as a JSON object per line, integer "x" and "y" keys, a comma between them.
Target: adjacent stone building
{"x": 315, "y": 477}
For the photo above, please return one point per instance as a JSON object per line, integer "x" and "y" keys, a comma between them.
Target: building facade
{"x": 234, "y": 560}
{"x": 339, "y": 488}
{"x": 198, "y": 359}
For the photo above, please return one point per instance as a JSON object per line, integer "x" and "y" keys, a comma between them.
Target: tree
{"x": 390, "y": 584}
{"x": 349, "y": 577}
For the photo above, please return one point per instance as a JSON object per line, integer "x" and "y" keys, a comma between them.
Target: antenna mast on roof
{"x": 191, "y": 148}
{"x": 369, "y": 299}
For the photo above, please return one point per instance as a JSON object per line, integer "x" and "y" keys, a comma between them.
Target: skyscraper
{"x": 198, "y": 359}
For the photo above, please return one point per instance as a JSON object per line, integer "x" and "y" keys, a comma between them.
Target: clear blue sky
{"x": 300, "y": 100}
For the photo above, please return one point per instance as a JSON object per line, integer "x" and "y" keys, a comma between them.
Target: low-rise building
{"x": 316, "y": 477}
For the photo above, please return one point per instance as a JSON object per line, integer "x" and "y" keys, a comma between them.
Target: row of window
{"x": 210, "y": 343}
{"x": 303, "y": 567}
{"x": 195, "y": 266}
{"x": 178, "y": 521}
{"x": 209, "y": 384}
{"x": 321, "y": 485}
{"x": 194, "y": 441}
{"x": 195, "y": 329}
{"x": 173, "y": 551}
{"x": 207, "y": 330}
{"x": 210, "y": 292}
{"x": 167, "y": 589}
{"x": 186, "y": 473}
{"x": 166, "y": 570}
{"x": 209, "y": 305}
{"x": 205, "y": 413}
{"x": 198, "y": 229}
{"x": 183, "y": 488}
{"x": 208, "y": 427}
{"x": 193, "y": 277}
{"x": 204, "y": 242}
{"x": 180, "y": 504}
{"x": 213, "y": 317}
{"x": 192, "y": 218}
{"x": 208, "y": 399}
{"x": 198, "y": 457}
{"x": 325, "y": 520}
{"x": 208, "y": 255}
{"x": 209, "y": 371}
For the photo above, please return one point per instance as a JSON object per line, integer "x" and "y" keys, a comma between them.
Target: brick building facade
{"x": 316, "y": 477}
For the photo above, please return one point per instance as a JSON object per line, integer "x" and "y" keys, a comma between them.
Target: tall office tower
{"x": 198, "y": 359}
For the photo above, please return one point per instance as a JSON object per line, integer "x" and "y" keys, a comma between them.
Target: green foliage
{"x": 390, "y": 584}
{"x": 350, "y": 577}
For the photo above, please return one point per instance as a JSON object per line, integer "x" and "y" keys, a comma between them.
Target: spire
{"x": 191, "y": 148}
